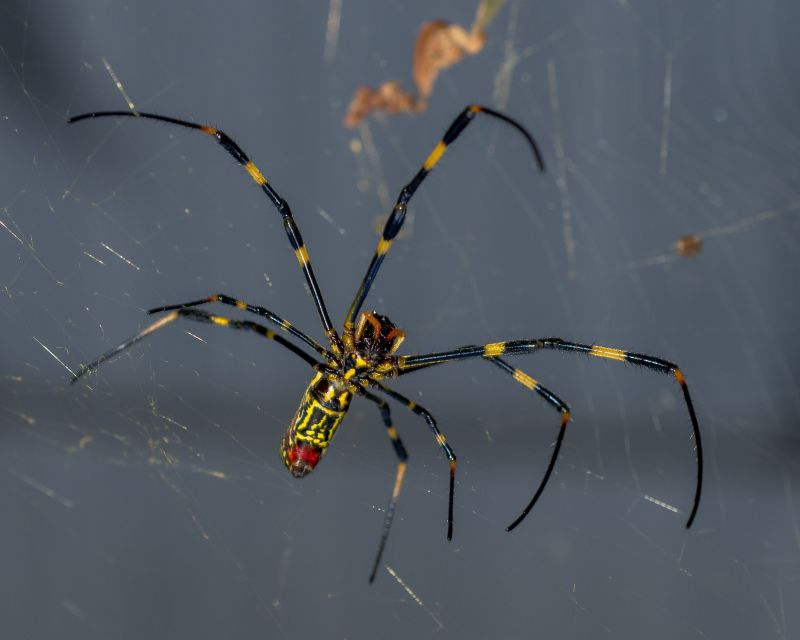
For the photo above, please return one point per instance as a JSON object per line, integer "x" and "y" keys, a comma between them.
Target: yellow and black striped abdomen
{"x": 322, "y": 408}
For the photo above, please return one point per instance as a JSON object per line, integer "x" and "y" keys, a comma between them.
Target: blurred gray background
{"x": 149, "y": 500}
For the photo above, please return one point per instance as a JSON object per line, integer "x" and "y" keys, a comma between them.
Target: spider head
{"x": 300, "y": 457}
{"x": 376, "y": 337}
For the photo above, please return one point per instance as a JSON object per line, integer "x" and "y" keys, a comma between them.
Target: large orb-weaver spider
{"x": 363, "y": 355}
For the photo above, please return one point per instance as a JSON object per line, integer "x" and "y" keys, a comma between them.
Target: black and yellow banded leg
{"x": 402, "y": 457}
{"x": 198, "y": 316}
{"x": 440, "y": 440}
{"x": 260, "y": 311}
{"x": 559, "y": 405}
{"x": 292, "y": 231}
{"x": 534, "y": 385}
{"x": 408, "y": 364}
{"x": 397, "y": 216}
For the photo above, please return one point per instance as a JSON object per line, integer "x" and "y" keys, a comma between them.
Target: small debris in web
{"x": 389, "y": 97}
{"x": 439, "y": 45}
{"x": 689, "y": 246}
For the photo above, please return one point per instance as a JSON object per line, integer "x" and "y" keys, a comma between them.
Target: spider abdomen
{"x": 324, "y": 404}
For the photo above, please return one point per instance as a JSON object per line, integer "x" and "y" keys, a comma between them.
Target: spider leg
{"x": 440, "y": 439}
{"x": 402, "y": 457}
{"x": 261, "y": 311}
{"x": 198, "y": 316}
{"x": 291, "y": 228}
{"x": 559, "y": 405}
{"x": 408, "y": 364}
{"x": 396, "y": 218}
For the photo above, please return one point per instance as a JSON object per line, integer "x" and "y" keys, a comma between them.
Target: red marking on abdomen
{"x": 305, "y": 453}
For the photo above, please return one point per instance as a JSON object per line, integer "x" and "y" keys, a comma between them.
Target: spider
{"x": 357, "y": 362}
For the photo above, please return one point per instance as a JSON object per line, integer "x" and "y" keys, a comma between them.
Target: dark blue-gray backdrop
{"x": 150, "y": 501}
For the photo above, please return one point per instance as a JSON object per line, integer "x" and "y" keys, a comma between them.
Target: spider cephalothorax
{"x": 356, "y": 362}
{"x": 376, "y": 337}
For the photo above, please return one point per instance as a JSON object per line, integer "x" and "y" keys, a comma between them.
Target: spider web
{"x": 149, "y": 500}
